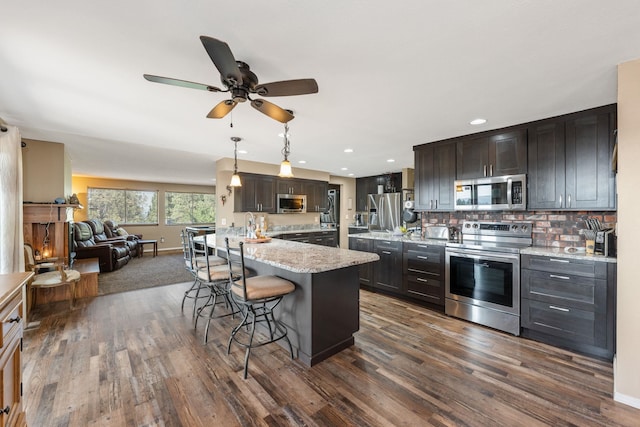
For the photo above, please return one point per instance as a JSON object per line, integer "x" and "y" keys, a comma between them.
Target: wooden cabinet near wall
{"x": 570, "y": 161}
{"x": 290, "y": 186}
{"x": 484, "y": 155}
{"x": 387, "y": 271}
{"x": 423, "y": 268}
{"x": 434, "y": 176}
{"x": 11, "y": 306}
{"x": 257, "y": 194}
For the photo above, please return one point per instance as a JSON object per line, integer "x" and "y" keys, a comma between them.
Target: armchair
{"x": 114, "y": 231}
{"x": 111, "y": 254}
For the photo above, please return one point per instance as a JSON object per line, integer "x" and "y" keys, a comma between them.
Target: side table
{"x": 142, "y": 242}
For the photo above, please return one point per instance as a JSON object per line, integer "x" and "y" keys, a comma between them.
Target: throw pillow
{"x": 122, "y": 232}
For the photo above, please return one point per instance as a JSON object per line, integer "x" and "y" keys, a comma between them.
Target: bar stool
{"x": 258, "y": 296}
{"x": 192, "y": 264}
{"x": 215, "y": 278}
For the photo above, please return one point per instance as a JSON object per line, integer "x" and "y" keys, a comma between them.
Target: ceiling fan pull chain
{"x": 231, "y": 120}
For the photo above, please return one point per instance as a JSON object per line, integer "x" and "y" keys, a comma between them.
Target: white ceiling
{"x": 391, "y": 75}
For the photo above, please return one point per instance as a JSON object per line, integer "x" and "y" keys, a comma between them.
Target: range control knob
{"x": 524, "y": 227}
{"x": 475, "y": 225}
{"x": 514, "y": 227}
{"x": 467, "y": 225}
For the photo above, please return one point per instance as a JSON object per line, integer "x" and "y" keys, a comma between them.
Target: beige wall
{"x": 170, "y": 233}
{"x": 225, "y": 216}
{"x": 46, "y": 171}
{"x": 627, "y": 374}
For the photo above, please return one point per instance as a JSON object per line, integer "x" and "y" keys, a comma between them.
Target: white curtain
{"x": 11, "y": 238}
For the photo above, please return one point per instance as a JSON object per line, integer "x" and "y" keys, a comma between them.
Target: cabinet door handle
{"x": 490, "y": 170}
{"x": 422, "y": 257}
{"x": 430, "y": 204}
{"x": 555, "y": 276}
{"x": 569, "y": 200}
{"x": 15, "y": 319}
{"x": 558, "y": 260}
{"x": 561, "y": 200}
{"x": 420, "y": 279}
{"x": 386, "y": 252}
{"x": 484, "y": 170}
{"x": 436, "y": 204}
{"x": 553, "y": 307}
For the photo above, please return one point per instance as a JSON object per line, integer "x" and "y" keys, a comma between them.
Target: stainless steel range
{"x": 482, "y": 275}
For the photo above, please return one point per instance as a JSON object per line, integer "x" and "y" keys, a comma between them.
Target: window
{"x": 190, "y": 208}
{"x": 123, "y": 206}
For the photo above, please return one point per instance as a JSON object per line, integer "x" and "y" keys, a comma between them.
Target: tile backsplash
{"x": 550, "y": 228}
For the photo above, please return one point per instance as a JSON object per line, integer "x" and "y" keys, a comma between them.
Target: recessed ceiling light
{"x": 348, "y": 150}
{"x": 478, "y": 122}
{"x": 302, "y": 161}
{"x": 390, "y": 160}
{"x": 351, "y": 174}
{"x": 344, "y": 169}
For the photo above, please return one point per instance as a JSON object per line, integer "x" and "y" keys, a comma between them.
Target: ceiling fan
{"x": 240, "y": 82}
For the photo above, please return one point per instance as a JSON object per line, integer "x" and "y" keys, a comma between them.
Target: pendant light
{"x": 285, "y": 166}
{"x": 235, "y": 178}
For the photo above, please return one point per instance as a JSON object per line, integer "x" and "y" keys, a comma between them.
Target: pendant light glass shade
{"x": 285, "y": 166}
{"x": 285, "y": 169}
{"x": 235, "y": 178}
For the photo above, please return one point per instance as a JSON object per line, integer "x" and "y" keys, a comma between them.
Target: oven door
{"x": 483, "y": 279}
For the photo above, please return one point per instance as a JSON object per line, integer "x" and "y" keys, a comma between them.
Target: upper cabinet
{"x": 391, "y": 183}
{"x": 290, "y": 186}
{"x": 317, "y": 195}
{"x": 435, "y": 173}
{"x": 257, "y": 194}
{"x": 504, "y": 153}
{"x": 570, "y": 161}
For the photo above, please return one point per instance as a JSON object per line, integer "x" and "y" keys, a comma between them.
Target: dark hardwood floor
{"x": 132, "y": 359}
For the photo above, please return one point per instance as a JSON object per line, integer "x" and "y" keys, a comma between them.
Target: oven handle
{"x": 479, "y": 255}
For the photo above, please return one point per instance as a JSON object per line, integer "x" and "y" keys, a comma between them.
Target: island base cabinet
{"x": 321, "y": 315}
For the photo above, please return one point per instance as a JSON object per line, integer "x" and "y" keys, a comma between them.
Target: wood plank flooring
{"x": 133, "y": 359}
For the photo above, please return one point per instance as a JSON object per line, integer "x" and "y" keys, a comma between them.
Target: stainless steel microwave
{"x": 497, "y": 193}
{"x": 292, "y": 203}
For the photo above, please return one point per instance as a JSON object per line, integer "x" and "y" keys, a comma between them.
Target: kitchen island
{"x": 323, "y": 313}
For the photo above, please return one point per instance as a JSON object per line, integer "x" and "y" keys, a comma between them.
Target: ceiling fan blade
{"x": 272, "y": 110}
{"x": 287, "y": 88}
{"x": 222, "y": 109}
{"x": 223, "y": 59}
{"x": 183, "y": 83}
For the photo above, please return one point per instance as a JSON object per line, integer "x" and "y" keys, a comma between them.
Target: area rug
{"x": 145, "y": 272}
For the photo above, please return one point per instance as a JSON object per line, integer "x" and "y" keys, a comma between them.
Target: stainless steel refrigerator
{"x": 385, "y": 211}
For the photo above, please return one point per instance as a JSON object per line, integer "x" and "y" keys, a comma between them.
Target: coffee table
{"x": 142, "y": 242}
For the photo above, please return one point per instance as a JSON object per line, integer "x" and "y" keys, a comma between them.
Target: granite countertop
{"x": 300, "y": 257}
{"x": 271, "y": 233}
{"x": 381, "y": 235}
{"x": 566, "y": 253}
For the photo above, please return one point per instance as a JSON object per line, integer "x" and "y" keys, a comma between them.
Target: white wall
{"x": 627, "y": 363}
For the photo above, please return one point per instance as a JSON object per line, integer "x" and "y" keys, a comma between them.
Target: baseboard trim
{"x": 620, "y": 397}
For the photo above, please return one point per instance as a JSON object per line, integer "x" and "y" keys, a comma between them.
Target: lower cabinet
{"x": 423, "y": 268}
{"x": 366, "y": 270}
{"x": 569, "y": 303}
{"x": 323, "y": 238}
{"x": 387, "y": 272}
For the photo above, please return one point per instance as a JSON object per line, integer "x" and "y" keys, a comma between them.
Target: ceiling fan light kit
{"x": 241, "y": 82}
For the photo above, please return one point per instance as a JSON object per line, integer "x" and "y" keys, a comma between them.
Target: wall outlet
{"x": 223, "y": 221}
{"x": 162, "y": 240}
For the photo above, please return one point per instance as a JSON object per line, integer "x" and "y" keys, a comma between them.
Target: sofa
{"x": 114, "y": 231}
{"x": 111, "y": 253}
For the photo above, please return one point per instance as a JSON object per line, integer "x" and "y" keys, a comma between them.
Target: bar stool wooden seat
{"x": 257, "y": 296}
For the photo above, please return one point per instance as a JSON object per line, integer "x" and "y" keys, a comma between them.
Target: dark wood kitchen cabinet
{"x": 366, "y": 270}
{"x": 435, "y": 171}
{"x": 570, "y": 161}
{"x": 369, "y": 185}
{"x": 257, "y": 194}
{"x": 569, "y": 303}
{"x": 290, "y": 186}
{"x": 483, "y": 155}
{"x": 317, "y": 195}
{"x": 387, "y": 272}
{"x": 423, "y": 268}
